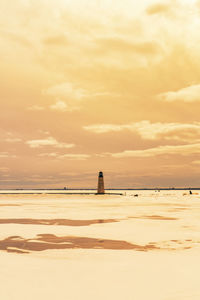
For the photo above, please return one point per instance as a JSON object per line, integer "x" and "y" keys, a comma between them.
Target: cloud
{"x": 158, "y": 8}
{"x": 122, "y": 45}
{"x": 57, "y": 40}
{"x": 153, "y": 131}
{"x": 7, "y": 155}
{"x": 4, "y": 169}
{"x": 10, "y": 138}
{"x": 49, "y": 141}
{"x": 36, "y": 107}
{"x": 66, "y": 156}
{"x": 44, "y": 132}
{"x": 104, "y": 128}
{"x": 60, "y": 106}
{"x": 5, "y": 175}
{"x": 69, "y": 98}
{"x": 66, "y": 90}
{"x": 187, "y": 94}
{"x": 196, "y": 162}
{"x": 52, "y": 154}
{"x": 13, "y": 140}
{"x": 184, "y": 150}
{"x": 75, "y": 156}
{"x": 16, "y": 38}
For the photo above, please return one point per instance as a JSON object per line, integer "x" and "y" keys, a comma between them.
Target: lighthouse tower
{"x": 100, "y": 188}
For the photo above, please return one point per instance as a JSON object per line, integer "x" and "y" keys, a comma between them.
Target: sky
{"x": 105, "y": 85}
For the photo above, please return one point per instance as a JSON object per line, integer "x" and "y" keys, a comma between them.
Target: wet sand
{"x": 49, "y": 241}
{"x": 61, "y": 222}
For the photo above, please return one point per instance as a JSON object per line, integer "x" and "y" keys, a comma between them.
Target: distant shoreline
{"x": 110, "y": 189}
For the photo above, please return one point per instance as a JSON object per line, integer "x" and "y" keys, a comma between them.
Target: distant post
{"x": 100, "y": 188}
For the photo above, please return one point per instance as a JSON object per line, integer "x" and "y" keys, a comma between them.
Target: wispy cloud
{"x": 49, "y": 141}
{"x": 51, "y": 154}
{"x": 196, "y": 162}
{"x": 184, "y": 150}
{"x": 4, "y": 169}
{"x": 66, "y": 90}
{"x": 70, "y": 97}
{"x": 187, "y": 94}
{"x": 119, "y": 44}
{"x": 16, "y": 38}
{"x": 75, "y": 156}
{"x": 104, "y": 128}
{"x": 13, "y": 140}
{"x": 158, "y": 8}
{"x": 10, "y": 139}
{"x": 36, "y": 107}
{"x": 7, "y": 155}
{"x": 153, "y": 131}
{"x": 60, "y": 106}
{"x": 66, "y": 156}
{"x": 56, "y": 40}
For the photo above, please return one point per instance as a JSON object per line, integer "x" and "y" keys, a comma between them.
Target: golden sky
{"x": 105, "y": 85}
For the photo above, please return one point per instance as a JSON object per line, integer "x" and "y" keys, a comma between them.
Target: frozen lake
{"x": 100, "y": 246}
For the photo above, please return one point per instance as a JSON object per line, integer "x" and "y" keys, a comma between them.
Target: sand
{"x": 100, "y": 247}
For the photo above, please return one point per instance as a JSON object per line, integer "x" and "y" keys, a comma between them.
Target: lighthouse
{"x": 100, "y": 188}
